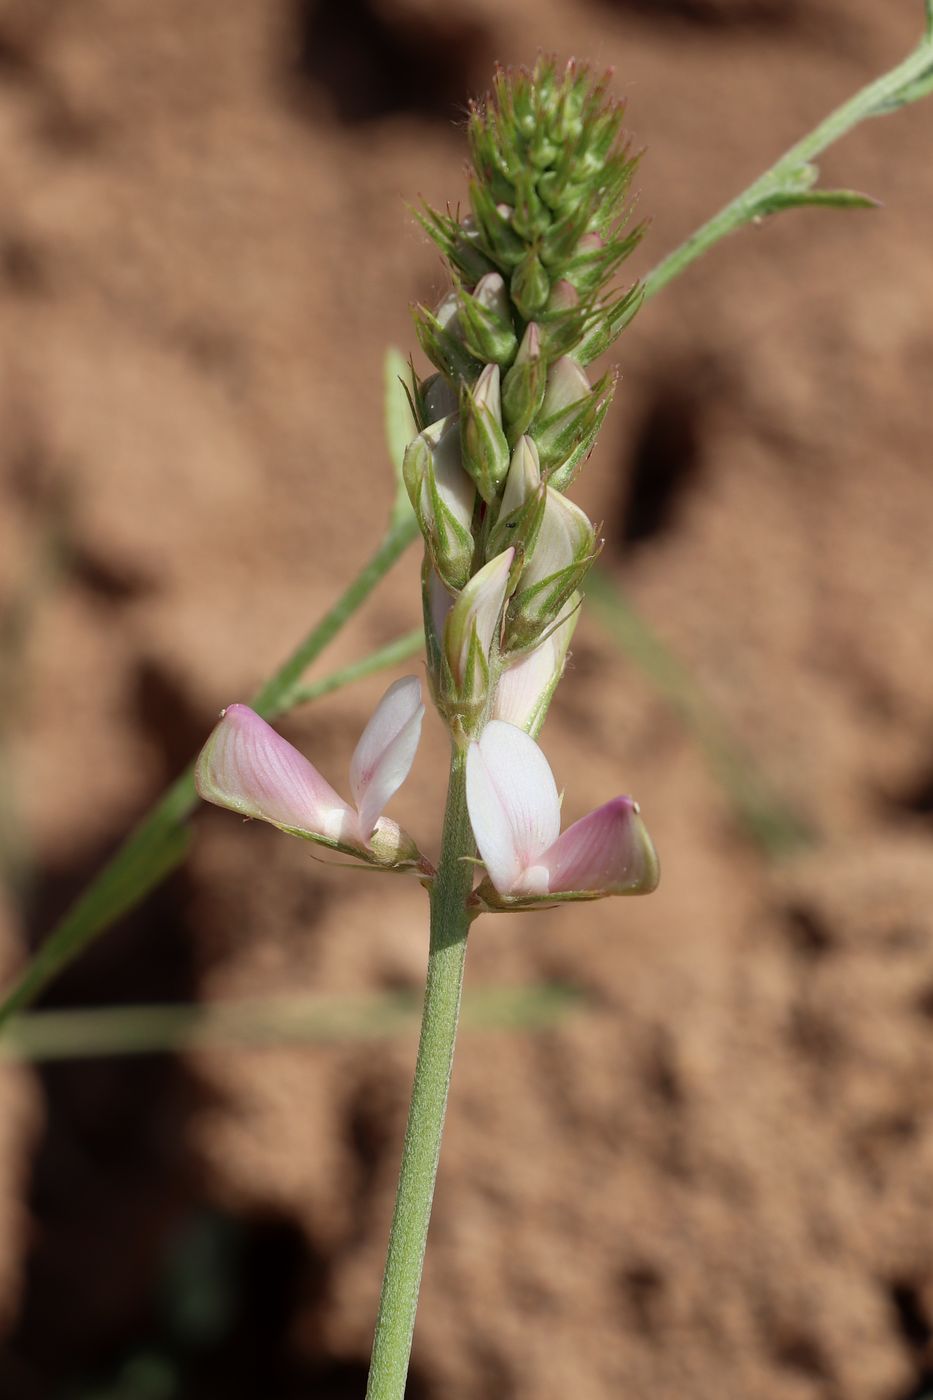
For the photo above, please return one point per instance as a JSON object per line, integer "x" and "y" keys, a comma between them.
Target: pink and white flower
{"x": 515, "y": 811}
{"x": 249, "y": 768}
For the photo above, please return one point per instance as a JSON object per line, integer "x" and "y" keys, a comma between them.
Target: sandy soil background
{"x": 715, "y": 1178}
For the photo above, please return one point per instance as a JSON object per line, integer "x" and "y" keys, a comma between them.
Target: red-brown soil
{"x": 714, "y": 1179}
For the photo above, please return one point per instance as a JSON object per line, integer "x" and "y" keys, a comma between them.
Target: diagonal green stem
{"x": 450, "y": 922}
{"x": 791, "y": 175}
{"x": 158, "y": 845}
{"x": 389, "y": 655}
{"x": 40, "y": 1036}
{"x": 776, "y": 827}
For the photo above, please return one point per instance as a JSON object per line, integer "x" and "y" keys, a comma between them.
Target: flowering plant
{"x": 504, "y": 424}
{"x": 494, "y": 437}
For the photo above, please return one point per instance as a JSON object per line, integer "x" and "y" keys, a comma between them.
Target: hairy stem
{"x": 450, "y": 921}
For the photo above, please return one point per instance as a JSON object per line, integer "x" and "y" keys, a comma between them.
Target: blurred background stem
{"x": 159, "y": 843}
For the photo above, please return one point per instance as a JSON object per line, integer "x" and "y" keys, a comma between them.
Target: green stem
{"x": 278, "y": 693}
{"x": 450, "y": 921}
{"x": 792, "y": 174}
{"x": 389, "y": 655}
{"x": 40, "y": 1036}
{"x": 778, "y": 830}
{"x": 158, "y": 845}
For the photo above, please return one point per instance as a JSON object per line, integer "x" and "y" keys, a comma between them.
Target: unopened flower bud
{"x": 565, "y": 437}
{"x": 487, "y": 322}
{"x": 472, "y": 624}
{"x": 442, "y": 497}
{"x": 484, "y": 450}
{"x": 522, "y": 504}
{"x": 497, "y": 238}
{"x": 523, "y": 479}
{"x": 531, "y": 219}
{"x": 524, "y": 385}
{"x": 564, "y": 296}
{"x": 609, "y": 325}
{"x": 439, "y": 340}
{"x": 530, "y": 285}
{"x": 567, "y": 385}
{"x": 563, "y": 550}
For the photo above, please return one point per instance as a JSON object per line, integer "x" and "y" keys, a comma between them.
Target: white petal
{"x": 567, "y": 384}
{"x": 565, "y": 538}
{"x": 249, "y": 768}
{"x": 523, "y": 479}
{"x": 524, "y": 685}
{"x": 454, "y": 487}
{"x": 513, "y": 803}
{"x": 383, "y": 757}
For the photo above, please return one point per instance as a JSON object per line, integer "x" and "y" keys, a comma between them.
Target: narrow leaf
{"x": 826, "y": 199}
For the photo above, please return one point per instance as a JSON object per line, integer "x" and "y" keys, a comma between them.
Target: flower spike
{"x": 515, "y": 811}
{"x": 248, "y": 768}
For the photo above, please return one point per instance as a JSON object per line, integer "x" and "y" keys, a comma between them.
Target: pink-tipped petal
{"x": 608, "y": 851}
{"x": 249, "y": 768}
{"x": 514, "y": 807}
{"x": 383, "y": 757}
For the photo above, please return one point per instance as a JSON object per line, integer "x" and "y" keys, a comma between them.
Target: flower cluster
{"x": 510, "y": 415}
{"x": 504, "y": 424}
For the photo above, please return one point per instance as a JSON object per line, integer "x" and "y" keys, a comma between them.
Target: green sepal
{"x": 447, "y": 539}
{"x": 563, "y": 330}
{"x": 438, "y": 668}
{"x": 535, "y": 610}
{"x": 520, "y": 527}
{"x": 607, "y": 324}
{"x": 488, "y": 336}
{"x": 591, "y": 270}
{"x": 530, "y": 218}
{"x": 443, "y": 348}
{"x": 566, "y": 439}
{"x": 524, "y": 385}
{"x": 559, "y": 244}
{"x": 457, "y": 243}
{"x": 498, "y": 240}
{"x": 483, "y": 446}
{"x": 530, "y": 286}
